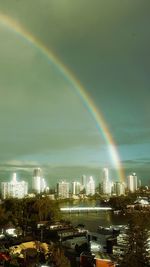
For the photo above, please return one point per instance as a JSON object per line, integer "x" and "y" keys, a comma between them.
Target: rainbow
{"x": 89, "y": 104}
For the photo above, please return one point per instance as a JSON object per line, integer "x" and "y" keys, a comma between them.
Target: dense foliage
{"x": 138, "y": 245}
{"x": 28, "y": 211}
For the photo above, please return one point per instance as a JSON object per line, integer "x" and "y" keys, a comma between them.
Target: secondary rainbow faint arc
{"x": 96, "y": 114}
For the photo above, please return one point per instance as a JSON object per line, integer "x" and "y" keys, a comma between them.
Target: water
{"x": 93, "y": 220}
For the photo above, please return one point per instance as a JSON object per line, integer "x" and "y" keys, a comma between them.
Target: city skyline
{"x": 44, "y": 122}
{"x": 39, "y": 183}
{"x": 84, "y": 186}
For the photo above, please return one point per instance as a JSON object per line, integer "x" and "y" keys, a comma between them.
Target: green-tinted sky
{"x": 106, "y": 44}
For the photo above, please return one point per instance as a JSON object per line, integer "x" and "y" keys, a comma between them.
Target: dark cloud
{"x": 106, "y": 45}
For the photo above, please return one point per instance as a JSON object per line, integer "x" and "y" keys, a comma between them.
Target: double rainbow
{"x": 87, "y": 101}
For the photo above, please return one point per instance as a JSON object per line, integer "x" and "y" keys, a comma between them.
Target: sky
{"x": 43, "y": 121}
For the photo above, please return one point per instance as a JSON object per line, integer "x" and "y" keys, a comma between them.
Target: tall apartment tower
{"x": 132, "y": 183}
{"x": 84, "y": 180}
{"x": 106, "y": 185}
{"x": 37, "y": 172}
{"x": 38, "y": 182}
{"x": 63, "y": 190}
{"x": 14, "y": 188}
{"x": 76, "y": 188}
{"x": 90, "y": 187}
{"x": 119, "y": 188}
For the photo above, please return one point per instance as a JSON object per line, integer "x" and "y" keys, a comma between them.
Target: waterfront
{"x": 93, "y": 220}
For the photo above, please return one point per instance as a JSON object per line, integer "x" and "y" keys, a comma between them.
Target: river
{"x": 93, "y": 220}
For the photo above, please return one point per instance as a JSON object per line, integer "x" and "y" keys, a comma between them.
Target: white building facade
{"x": 132, "y": 183}
{"x": 84, "y": 181}
{"x": 38, "y": 182}
{"x": 90, "y": 187}
{"x": 106, "y": 184}
{"x": 76, "y": 188}
{"x": 119, "y": 188}
{"x": 14, "y": 189}
{"x": 63, "y": 190}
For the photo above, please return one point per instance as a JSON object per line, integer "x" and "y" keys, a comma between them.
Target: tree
{"x": 137, "y": 236}
{"x": 3, "y": 217}
{"x": 45, "y": 209}
{"x": 57, "y": 257}
{"x": 27, "y": 212}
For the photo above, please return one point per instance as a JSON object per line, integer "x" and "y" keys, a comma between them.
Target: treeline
{"x": 28, "y": 211}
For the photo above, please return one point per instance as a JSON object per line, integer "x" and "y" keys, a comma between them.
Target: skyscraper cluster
{"x": 87, "y": 186}
{"x": 118, "y": 188}
{"x": 19, "y": 189}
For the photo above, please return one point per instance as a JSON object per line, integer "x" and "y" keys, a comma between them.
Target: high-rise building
{"x": 139, "y": 183}
{"x": 76, "y": 188}
{"x": 37, "y": 172}
{"x": 38, "y": 182}
{"x": 14, "y": 188}
{"x": 43, "y": 185}
{"x": 90, "y": 186}
{"x": 63, "y": 190}
{"x": 83, "y": 181}
{"x": 83, "y": 184}
{"x": 106, "y": 184}
{"x": 119, "y": 188}
{"x": 132, "y": 182}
